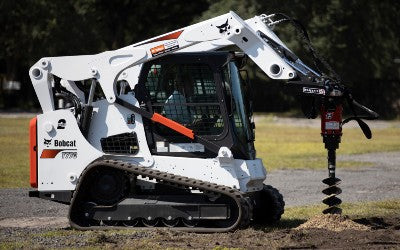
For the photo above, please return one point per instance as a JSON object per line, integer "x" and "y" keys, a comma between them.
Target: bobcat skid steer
{"x": 160, "y": 133}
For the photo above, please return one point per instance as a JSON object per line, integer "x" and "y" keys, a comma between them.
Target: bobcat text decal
{"x": 67, "y": 147}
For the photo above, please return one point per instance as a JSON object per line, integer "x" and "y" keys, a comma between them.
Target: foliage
{"x": 43, "y": 28}
{"x": 358, "y": 38}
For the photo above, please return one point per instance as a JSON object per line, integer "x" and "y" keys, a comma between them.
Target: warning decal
{"x": 316, "y": 91}
{"x": 164, "y": 48}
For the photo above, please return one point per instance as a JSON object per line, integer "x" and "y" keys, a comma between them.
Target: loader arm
{"x": 109, "y": 66}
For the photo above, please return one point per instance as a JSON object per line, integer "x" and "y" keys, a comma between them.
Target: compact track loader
{"x": 160, "y": 133}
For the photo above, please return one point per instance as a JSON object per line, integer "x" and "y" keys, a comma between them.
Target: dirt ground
{"x": 337, "y": 233}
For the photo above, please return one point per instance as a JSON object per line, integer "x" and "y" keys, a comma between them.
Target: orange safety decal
{"x": 173, "y": 125}
{"x": 33, "y": 152}
{"x": 156, "y": 50}
{"x": 50, "y": 153}
{"x": 165, "y": 48}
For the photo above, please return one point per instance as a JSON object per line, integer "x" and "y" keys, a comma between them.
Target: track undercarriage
{"x": 107, "y": 196}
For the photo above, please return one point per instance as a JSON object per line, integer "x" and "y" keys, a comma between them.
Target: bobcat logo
{"x": 224, "y": 27}
{"x": 47, "y": 142}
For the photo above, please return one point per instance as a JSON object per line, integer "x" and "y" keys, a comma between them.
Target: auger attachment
{"x": 331, "y": 131}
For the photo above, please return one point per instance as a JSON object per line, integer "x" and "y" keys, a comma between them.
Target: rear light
{"x": 33, "y": 151}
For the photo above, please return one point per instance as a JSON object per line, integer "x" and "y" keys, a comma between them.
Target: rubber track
{"x": 243, "y": 203}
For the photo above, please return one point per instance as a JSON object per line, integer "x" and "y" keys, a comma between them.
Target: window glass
{"x": 185, "y": 93}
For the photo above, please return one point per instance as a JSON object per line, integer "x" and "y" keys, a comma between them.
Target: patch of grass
{"x": 301, "y": 147}
{"x": 14, "y": 154}
{"x": 93, "y": 234}
{"x": 145, "y": 243}
{"x": 57, "y": 233}
{"x": 353, "y": 210}
{"x": 13, "y": 245}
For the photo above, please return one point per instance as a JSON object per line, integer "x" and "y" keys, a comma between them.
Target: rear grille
{"x": 126, "y": 143}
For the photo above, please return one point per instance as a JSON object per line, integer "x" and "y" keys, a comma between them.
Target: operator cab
{"x": 204, "y": 92}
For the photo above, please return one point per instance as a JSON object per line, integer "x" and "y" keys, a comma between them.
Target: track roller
{"x": 130, "y": 223}
{"x": 149, "y": 222}
{"x": 170, "y": 222}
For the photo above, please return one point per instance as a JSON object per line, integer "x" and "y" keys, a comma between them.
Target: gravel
{"x": 15, "y": 203}
{"x": 380, "y": 181}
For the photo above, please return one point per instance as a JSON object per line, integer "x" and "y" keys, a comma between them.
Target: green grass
{"x": 13, "y": 245}
{"x": 14, "y": 154}
{"x": 301, "y": 147}
{"x": 353, "y": 210}
{"x": 279, "y": 147}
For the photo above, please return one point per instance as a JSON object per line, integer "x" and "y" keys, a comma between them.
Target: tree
{"x": 35, "y": 29}
{"x": 359, "y": 39}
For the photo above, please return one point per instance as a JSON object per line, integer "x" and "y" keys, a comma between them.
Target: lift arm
{"x": 109, "y": 66}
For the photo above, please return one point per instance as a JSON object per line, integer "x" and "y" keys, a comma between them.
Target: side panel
{"x": 247, "y": 176}
{"x": 113, "y": 119}
{"x": 63, "y": 152}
